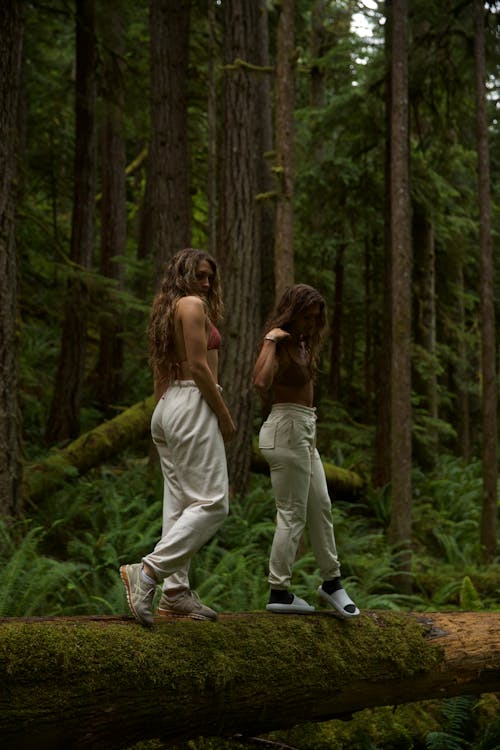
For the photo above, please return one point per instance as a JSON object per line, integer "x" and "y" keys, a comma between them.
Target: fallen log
{"x": 90, "y": 449}
{"x": 109, "y": 438}
{"x": 106, "y": 682}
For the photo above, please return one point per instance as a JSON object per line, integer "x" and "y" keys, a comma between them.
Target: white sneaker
{"x": 186, "y": 604}
{"x": 341, "y": 601}
{"x": 140, "y": 593}
{"x": 296, "y": 606}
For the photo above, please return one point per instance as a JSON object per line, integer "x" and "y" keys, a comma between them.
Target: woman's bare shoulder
{"x": 190, "y": 304}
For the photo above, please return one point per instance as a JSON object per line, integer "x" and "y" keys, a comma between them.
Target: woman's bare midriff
{"x": 184, "y": 373}
{"x": 301, "y": 396}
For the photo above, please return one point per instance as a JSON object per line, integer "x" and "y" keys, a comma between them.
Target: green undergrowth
{"x": 462, "y": 723}
{"x": 64, "y": 558}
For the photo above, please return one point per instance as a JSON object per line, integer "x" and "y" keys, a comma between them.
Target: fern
{"x": 457, "y": 714}
{"x": 31, "y": 584}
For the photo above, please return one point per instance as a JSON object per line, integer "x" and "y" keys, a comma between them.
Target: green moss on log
{"x": 182, "y": 657}
{"x": 89, "y": 450}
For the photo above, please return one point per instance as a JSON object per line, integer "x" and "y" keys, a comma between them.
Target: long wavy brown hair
{"x": 294, "y": 301}
{"x": 178, "y": 281}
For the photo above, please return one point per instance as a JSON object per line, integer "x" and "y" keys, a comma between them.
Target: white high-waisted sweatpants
{"x": 287, "y": 441}
{"x": 186, "y": 433}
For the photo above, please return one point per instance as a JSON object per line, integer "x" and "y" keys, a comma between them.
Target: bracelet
{"x": 271, "y": 338}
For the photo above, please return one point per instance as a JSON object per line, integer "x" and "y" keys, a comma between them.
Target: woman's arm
{"x": 267, "y": 362}
{"x": 193, "y": 320}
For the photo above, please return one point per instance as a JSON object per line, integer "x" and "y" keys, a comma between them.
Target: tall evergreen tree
{"x": 401, "y": 443}
{"x": 168, "y": 170}
{"x": 266, "y": 182}
{"x": 488, "y": 336}
{"x": 11, "y": 42}
{"x": 238, "y": 225}
{"x": 285, "y": 101}
{"x": 63, "y": 421}
{"x": 113, "y": 203}
{"x": 381, "y": 474}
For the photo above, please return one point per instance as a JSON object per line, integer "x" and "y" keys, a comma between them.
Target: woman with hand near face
{"x": 284, "y": 376}
{"x": 190, "y": 425}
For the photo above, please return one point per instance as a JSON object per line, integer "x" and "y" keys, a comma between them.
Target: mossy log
{"x": 87, "y": 451}
{"x": 106, "y": 682}
{"x": 98, "y": 445}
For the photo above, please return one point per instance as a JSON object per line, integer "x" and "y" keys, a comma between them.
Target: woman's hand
{"x": 227, "y": 427}
{"x": 277, "y": 334}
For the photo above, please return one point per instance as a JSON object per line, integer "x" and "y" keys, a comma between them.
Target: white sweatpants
{"x": 287, "y": 440}
{"x": 186, "y": 433}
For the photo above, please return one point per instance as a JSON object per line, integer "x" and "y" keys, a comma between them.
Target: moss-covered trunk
{"x": 107, "y": 683}
{"x": 109, "y": 438}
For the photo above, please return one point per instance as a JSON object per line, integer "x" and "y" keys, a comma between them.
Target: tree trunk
{"x": 169, "y": 170}
{"x": 285, "y": 102}
{"x": 336, "y": 330}
{"x": 212, "y": 131}
{"x": 462, "y": 376}
{"x": 425, "y": 366}
{"x": 108, "y": 439}
{"x": 63, "y": 421}
{"x": 108, "y": 384}
{"x": 238, "y": 227}
{"x": 401, "y": 458}
{"x": 381, "y": 475}
{"x": 11, "y": 43}
{"x": 105, "y": 682}
{"x": 489, "y": 514}
{"x": 267, "y": 204}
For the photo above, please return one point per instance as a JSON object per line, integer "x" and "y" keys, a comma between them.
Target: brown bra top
{"x": 293, "y": 376}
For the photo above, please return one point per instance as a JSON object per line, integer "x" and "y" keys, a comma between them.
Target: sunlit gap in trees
{"x": 363, "y": 24}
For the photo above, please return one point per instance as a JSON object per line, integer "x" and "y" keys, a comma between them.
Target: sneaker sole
{"x": 282, "y": 609}
{"x": 167, "y": 614}
{"x": 335, "y": 610}
{"x": 126, "y": 583}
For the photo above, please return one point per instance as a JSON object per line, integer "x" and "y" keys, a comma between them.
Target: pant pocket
{"x": 267, "y": 436}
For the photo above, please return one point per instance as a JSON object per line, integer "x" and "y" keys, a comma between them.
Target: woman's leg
{"x": 320, "y": 524}
{"x": 282, "y": 444}
{"x": 196, "y": 475}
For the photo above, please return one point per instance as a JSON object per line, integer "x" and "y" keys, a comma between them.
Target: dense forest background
{"x": 354, "y": 146}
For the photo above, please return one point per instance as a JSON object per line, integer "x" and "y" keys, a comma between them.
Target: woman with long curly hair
{"x": 284, "y": 376}
{"x": 190, "y": 425}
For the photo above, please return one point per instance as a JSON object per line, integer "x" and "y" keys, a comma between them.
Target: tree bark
{"x": 109, "y": 438}
{"x": 267, "y": 203}
{"x": 212, "y": 130}
{"x": 169, "y": 170}
{"x": 336, "y": 330}
{"x": 238, "y": 225}
{"x": 425, "y": 369}
{"x": 108, "y": 382}
{"x": 401, "y": 447}
{"x": 285, "y": 102}
{"x": 462, "y": 376}
{"x": 488, "y": 537}
{"x": 11, "y": 44}
{"x": 105, "y": 682}
{"x": 64, "y": 417}
{"x": 381, "y": 475}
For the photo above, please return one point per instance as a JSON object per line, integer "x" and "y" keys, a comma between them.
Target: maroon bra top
{"x": 213, "y": 342}
{"x": 214, "y": 338}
